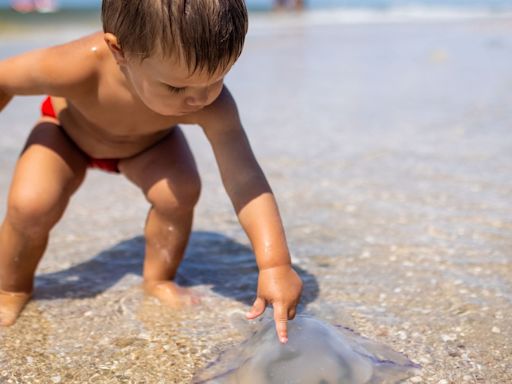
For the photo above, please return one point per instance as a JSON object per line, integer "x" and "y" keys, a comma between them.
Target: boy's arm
{"x": 252, "y": 198}
{"x": 61, "y": 70}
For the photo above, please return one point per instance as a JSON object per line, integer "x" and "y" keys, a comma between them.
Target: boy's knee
{"x": 181, "y": 198}
{"x": 32, "y": 212}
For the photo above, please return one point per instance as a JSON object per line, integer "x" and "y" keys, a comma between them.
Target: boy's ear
{"x": 115, "y": 48}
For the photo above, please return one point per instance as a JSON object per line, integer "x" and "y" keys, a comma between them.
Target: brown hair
{"x": 208, "y": 34}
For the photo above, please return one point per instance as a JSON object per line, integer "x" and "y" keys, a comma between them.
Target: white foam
{"x": 259, "y": 23}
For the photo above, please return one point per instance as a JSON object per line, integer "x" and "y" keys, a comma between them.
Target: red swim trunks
{"x": 109, "y": 165}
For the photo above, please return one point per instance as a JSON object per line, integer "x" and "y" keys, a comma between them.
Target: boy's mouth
{"x": 190, "y": 110}
{"x": 183, "y": 112}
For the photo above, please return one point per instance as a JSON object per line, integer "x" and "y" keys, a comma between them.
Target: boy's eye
{"x": 175, "y": 89}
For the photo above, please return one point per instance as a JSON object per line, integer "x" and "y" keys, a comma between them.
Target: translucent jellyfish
{"x": 316, "y": 353}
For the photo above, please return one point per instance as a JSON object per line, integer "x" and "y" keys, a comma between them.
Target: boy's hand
{"x": 281, "y": 287}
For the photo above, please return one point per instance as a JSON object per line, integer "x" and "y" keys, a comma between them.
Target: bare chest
{"x": 112, "y": 128}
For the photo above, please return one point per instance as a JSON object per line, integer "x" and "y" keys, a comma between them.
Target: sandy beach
{"x": 388, "y": 145}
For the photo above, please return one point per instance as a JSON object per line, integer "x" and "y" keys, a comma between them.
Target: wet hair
{"x": 208, "y": 34}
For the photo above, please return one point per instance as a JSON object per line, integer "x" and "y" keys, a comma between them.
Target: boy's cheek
{"x": 160, "y": 102}
{"x": 165, "y": 109}
{"x": 215, "y": 94}
{"x": 171, "y": 106}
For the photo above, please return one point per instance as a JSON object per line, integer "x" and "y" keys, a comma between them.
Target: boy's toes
{"x": 7, "y": 319}
{"x": 11, "y": 305}
{"x": 171, "y": 294}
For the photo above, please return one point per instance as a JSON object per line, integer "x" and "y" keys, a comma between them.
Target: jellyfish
{"x": 316, "y": 353}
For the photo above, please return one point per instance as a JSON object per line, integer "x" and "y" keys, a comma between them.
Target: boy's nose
{"x": 198, "y": 99}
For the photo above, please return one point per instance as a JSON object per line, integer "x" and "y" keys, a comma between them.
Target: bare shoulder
{"x": 74, "y": 63}
{"x": 221, "y": 115}
{"x": 60, "y": 70}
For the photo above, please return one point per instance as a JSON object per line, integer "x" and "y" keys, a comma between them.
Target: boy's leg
{"x": 48, "y": 171}
{"x": 168, "y": 176}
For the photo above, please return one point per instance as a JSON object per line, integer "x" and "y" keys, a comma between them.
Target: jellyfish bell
{"x": 316, "y": 353}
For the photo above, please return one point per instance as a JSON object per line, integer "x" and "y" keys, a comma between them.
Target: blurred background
{"x": 16, "y": 14}
{"x": 49, "y": 6}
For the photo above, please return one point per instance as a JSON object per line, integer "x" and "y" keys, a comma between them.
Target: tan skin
{"x": 112, "y": 105}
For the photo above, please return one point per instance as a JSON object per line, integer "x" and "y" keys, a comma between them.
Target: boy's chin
{"x": 174, "y": 112}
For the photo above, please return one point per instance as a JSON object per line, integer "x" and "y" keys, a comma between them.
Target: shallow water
{"x": 390, "y": 152}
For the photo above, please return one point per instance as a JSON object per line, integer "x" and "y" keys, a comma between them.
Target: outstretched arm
{"x": 62, "y": 70}
{"x": 254, "y": 202}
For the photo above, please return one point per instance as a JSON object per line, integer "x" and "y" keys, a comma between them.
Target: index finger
{"x": 281, "y": 319}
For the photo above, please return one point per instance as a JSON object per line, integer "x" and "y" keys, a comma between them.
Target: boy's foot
{"x": 171, "y": 294}
{"x": 11, "y": 305}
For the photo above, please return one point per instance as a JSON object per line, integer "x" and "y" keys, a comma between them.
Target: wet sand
{"x": 389, "y": 148}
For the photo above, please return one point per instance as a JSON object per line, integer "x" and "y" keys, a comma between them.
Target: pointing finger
{"x": 281, "y": 319}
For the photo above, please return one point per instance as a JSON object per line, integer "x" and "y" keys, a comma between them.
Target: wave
{"x": 403, "y": 14}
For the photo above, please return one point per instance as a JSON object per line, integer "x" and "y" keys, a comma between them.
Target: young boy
{"x": 116, "y": 99}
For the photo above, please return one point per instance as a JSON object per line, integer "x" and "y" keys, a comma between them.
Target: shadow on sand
{"x": 211, "y": 259}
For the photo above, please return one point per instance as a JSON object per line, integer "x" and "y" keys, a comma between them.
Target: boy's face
{"x": 166, "y": 86}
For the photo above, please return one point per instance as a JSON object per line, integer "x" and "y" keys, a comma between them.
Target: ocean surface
{"x": 319, "y": 12}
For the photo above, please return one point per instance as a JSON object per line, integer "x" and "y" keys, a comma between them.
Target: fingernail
{"x": 284, "y": 340}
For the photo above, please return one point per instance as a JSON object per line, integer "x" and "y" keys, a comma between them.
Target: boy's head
{"x": 205, "y": 34}
{"x": 195, "y": 41}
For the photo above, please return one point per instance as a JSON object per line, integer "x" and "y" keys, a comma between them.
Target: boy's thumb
{"x": 257, "y": 308}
